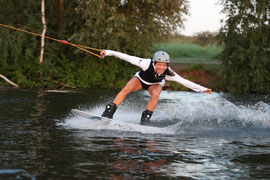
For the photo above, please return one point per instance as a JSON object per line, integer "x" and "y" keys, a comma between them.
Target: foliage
{"x": 194, "y": 67}
{"x": 180, "y": 38}
{"x": 17, "y": 55}
{"x": 205, "y": 38}
{"x": 128, "y": 26}
{"x": 246, "y": 39}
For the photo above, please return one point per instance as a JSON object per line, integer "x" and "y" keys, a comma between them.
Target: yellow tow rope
{"x": 84, "y": 48}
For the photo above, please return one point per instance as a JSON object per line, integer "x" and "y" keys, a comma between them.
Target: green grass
{"x": 187, "y": 52}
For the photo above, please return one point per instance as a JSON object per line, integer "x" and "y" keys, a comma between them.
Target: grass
{"x": 189, "y": 52}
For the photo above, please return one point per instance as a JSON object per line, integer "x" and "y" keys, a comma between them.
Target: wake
{"x": 77, "y": 122}
{"x": 181, "y": 113}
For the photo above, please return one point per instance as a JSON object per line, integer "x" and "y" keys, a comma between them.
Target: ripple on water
{"x": 15, "y": 174}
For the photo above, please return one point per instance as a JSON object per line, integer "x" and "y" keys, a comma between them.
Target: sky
{"x": 204, "y": 16}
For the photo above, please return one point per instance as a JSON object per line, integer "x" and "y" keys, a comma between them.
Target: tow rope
{"x": 84, "y": 48}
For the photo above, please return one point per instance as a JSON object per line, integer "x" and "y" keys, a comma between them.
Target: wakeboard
{"x": 98, "y": 122}
{"x": 89, "y": 115}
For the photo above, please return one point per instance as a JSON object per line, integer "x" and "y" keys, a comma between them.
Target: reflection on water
{"x": 193, "y": 136}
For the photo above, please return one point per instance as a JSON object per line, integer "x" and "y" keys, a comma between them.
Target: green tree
{"x": 19, "y": 52}
{"x": 130, "y": 26}
{"x": 17, "y": 49}
{"x": 206, "y": 38}
{"x": 124, "y": 25}
{"x": 246, "y": 39}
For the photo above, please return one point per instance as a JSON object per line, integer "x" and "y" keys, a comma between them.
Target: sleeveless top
{"x": 151, "y": 76}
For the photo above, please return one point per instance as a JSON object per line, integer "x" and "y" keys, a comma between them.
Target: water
{"x": 192, "y": 136}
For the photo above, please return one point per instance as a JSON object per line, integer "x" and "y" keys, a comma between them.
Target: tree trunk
{"x": 44, "y": 30}
{"x": 61, "y": 13}
{"x": 10, "y": 82}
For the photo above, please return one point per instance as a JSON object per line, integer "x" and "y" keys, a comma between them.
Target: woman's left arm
{"x": 187, "y": 83}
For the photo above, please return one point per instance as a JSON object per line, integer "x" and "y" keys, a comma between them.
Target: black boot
{"x": 146, "y": 115}
{"x": 110, "y": 110}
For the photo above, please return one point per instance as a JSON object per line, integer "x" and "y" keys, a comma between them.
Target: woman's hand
{"x": 209, "y": 91}
{"x": 103, "y": 53}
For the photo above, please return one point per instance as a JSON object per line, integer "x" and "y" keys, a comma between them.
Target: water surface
{"x": 192, "y": 136}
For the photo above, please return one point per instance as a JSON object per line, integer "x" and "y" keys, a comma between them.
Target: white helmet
{"x": 161, "y": 56}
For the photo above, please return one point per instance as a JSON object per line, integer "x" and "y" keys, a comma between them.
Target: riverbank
{"x": 205, "y": 74}
{"x": 195, "y": 62}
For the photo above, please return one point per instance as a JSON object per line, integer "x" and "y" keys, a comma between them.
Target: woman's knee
{"x": 156, "y": 92}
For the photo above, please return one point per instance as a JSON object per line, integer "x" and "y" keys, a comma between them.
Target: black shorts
{"x": 144, "y": 86}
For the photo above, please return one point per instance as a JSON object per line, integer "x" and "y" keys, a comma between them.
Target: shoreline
{"x": 204, "y": 74}
{"x": 200, "y": 73}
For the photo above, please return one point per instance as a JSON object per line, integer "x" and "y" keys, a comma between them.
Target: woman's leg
{"x": 133, "y": 85}
{"x": 154, "y": 91}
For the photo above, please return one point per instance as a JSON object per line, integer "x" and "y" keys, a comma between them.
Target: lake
{"x": 192, "y": 136}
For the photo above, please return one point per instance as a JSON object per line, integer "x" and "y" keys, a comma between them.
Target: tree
{"x": 206, "y": 38}
{"x": 130, "y": 26}
{"x": 246, "y": 39}
{"x": 17, "y": 52}
{"x": 44, "y": 30}
{"x": 20, "y": 52}
{"x": 124, "y": 25}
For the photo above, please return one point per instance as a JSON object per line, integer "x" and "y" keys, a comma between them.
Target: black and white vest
{"x": 150, "y": 76}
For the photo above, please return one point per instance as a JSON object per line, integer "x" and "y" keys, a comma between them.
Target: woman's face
{"x": 160, "y": 67}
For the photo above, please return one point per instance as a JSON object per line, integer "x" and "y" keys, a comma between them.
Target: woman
{"x": 152, "y": 78}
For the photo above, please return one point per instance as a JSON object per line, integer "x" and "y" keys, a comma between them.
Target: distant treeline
{"x": 132, "y": 27}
